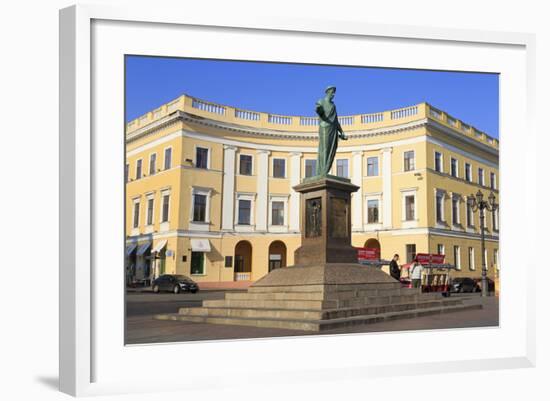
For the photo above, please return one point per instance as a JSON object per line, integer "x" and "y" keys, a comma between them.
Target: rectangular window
{"x": 165, "y": 207}
{"x": 277, "y": 213}
{"x": 409, "y": 207}
{"x": 342, "y": 168}
{"x": 311, "y": 167}
{"x": 495, "y": 257}
{"x": 411, "y": 252}
{"x": 469, "y": 215}
{"x": 279, "y": 168}
{"x": 456, "y": 254}
{"x": 454, "y": 167}
{"x": 495, "y": 220}
{"x": 150, "y": 208}
{"x": 138, "y": 169}
{"x": 372, "y": 166}
{"x": 468, "y": 172}
{"x": 480, "y": 177}
{"x": 456, "y": 216}
{"x": 409, "y": 160}
{"x": 126, "y": 172}
{"x": 167, "y": 158}
{"x": 373, "y": 211}
{"x": 199, "y": 207}
{"x": 245, "y": 165}
{"x": 153, "y": 164}
{"x": 440, "y": 249}
{"x": 438, "y": 162}
{"x": 244, "y": 211}
{"x": 471, "y": 258}
{"x": 201, "y": 158}
{"x": 197, "y": 262}
{"x": 136, "y": 215}
{"x": 439, "y": 200}
{"x": 493, "y": 181}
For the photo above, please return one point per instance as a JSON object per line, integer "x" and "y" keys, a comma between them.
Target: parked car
{"x": 463, "y": 284}
{"x": 490, "y": 285}
{"x": 175, "y": 283}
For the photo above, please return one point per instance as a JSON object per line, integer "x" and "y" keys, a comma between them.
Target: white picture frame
{"x": 94, "y": 360}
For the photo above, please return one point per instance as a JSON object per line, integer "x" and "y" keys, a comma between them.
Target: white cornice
{"x": 461, "y": 137}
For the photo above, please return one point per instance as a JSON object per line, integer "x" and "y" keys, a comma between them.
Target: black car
{"x": 175, "y": 283}
{"x": 463, "y": 284}
{"x": 490, "y": 285}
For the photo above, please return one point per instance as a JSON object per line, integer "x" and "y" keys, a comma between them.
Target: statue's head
{"x": 330, "y": 91}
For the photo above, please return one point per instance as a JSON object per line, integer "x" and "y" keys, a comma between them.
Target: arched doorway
{"x": 372, "y": 243}
{"x": 277, "y": 255}
{"x": 243, "y": 261}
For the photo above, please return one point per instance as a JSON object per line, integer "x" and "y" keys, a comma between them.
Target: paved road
{"x": 149, "y": 304}
{"x": 143, "y": 329}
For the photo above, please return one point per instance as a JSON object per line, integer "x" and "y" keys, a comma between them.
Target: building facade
{"x": 209, "y": 188}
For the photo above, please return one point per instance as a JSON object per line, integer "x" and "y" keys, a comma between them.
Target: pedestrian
{"x": 416, "y": 273}
{"x": 395, "y": 272}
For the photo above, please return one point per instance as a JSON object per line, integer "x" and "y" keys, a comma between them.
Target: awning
{"x": 158, "y": 247}
{"x": 143, "y": 248}
{"x": 130, "y": 248}
{"x": 200, "y": 245}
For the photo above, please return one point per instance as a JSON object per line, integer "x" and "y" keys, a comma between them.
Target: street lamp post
{"x": 477, "y": 203}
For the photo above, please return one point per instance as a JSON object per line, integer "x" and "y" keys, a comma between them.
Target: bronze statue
{"x": 329, "y": 131}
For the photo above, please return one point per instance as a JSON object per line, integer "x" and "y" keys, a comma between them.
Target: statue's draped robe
{"x": 328, "y": 135}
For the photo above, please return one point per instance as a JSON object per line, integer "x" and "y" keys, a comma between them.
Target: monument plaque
{"x": 339, "y": 218}
{"x": 313, "y": 217}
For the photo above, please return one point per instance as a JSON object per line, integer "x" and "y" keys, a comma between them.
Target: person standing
{"x": 416, "y": 273}
{"x": 395, "y": 272}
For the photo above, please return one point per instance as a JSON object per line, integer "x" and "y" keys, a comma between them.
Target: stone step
{"x": 381, "y": 309}
{"x": 316, "y": 325}
{"x": 275, "y": 296}
{"x": 270, "y": 304}
{"x": 328, "y": 288}
{"x": 332, "y": 324}
{"x": 289, "y": 288}
{"x": 300, "y": 300}
{"x": 266, "y": 323}
{"x": 256, "y": 311}
{"x": 253, "y": 313}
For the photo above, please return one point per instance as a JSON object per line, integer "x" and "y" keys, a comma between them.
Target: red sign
{"x": 368, "y": 253}
{"x": 430, "y": 258}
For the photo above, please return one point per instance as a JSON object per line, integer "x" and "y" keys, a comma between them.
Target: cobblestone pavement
{"x": 143, "y": 329}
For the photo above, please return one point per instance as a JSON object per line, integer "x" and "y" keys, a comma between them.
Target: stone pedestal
{"x": 326, "y": 221}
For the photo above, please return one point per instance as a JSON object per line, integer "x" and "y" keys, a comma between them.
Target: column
{"x": 294, "y": 201}
{"x": 228, "y": 198}
{"x": 386, "y": 188}
{"x": 357, "y": 197}
{"x": 262, "y": 173}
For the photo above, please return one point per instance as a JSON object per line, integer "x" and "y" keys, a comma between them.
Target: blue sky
{"x": 292, "y": 89}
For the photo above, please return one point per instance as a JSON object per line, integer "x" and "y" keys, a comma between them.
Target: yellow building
{"x": 209, "y": 188}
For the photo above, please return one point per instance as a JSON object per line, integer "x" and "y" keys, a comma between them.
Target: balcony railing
{"x": 247, "y": 115}
{"x": 372, "y": 118}
{"x": 406, "y": 112}
{"x": 283, "y": 120}
{"x": 242, "y": 276}
{"x": 210, "y": 107}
